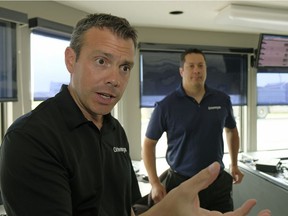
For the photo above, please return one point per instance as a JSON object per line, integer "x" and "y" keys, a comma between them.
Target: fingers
{"x": 202, "y": 180}
{"x": 247, "y": 206}
{"x": 238, "y": 178}
{"x": 236, "y": 174}
{"x": 158, "y": 192}
{"x": 265, "y": 212}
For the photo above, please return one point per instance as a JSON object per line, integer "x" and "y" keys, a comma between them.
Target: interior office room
{"x": 258, "y": 88}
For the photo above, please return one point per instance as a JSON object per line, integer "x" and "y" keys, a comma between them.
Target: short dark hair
{"x": 190, "y": 51}
{"x": 120, "y": 26}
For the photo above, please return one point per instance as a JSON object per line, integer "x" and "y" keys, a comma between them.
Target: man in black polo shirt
{"x": 69, "y": 156}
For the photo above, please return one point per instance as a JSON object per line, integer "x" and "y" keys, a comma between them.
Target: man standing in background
{"x": 194, "y": 116}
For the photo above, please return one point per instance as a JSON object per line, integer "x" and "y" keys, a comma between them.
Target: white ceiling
{"x": 198, "y": 15}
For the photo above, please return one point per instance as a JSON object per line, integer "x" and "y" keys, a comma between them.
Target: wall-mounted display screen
{"x": 272, "y": 51}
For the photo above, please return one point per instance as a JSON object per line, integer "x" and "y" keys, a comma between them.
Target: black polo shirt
{"x": 194, "y": 130}
{"x": 55, "y": 162}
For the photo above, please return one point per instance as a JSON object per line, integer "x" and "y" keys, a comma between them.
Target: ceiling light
{"x": 252, "y": 16}
{"x": 176, "y": 12}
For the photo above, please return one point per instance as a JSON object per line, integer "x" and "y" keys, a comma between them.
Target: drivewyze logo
{"x": 214, "y": 108}
{"x": 119, "y": 149}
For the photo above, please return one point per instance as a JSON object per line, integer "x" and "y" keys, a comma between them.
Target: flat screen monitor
{"x": 272, "y": 51}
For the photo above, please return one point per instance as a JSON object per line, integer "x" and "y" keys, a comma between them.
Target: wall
{"x": 46, "y": 9}
{"x": 128, "y": 107}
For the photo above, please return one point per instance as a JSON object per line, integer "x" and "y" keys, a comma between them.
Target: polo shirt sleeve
{"x": 230, "y": 121}
{"x": 25, "y": 165}
{"x": 156, "y": 126}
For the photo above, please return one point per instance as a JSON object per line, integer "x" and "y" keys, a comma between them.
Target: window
{"x": 160, "y": 75}
{"x": 9, "y": 20}
{"x": 47, "y": 65}
{"x": 227, "y": 72}
{"x": 48, "y": 43}
{"x": 272, "y": 110}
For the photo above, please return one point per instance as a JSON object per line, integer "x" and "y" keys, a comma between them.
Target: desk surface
{"x": 248, "y": 161}
{"x": 278, "y": 179}
{"x": 282, "y": 154}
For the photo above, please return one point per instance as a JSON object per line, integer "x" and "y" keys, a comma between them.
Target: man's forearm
{"x": 149, "y": 158}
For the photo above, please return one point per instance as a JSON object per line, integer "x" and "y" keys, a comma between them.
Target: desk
{"x": 269, "y": 189}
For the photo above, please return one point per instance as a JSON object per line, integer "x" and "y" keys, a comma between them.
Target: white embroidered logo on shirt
{"x": 119, "y": 149}
{"x": 214, "y": 108}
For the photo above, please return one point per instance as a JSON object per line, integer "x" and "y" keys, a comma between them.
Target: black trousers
{"x": 218, "y": 196}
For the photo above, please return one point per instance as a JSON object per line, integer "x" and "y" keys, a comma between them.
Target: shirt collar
{"x": 71, "y": 112}
{"x": 182, "y": 93}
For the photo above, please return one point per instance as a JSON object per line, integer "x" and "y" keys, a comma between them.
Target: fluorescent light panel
{"x": 252, "y": 16}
